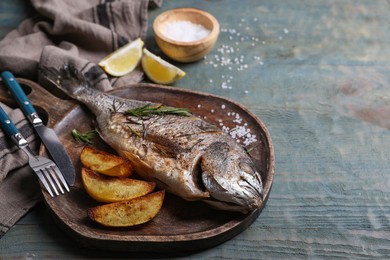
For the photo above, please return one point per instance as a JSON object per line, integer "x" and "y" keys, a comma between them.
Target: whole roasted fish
{"x": 182, "y": 153}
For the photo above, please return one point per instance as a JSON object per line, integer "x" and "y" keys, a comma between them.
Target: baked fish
{"x": 182, "y": 153}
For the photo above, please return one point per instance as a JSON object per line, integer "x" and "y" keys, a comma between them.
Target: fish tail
{"x": 70, "y": 80}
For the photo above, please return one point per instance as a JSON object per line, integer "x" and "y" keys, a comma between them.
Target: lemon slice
{"x": 159, "y": 70}
{"x": 123, "y": 60}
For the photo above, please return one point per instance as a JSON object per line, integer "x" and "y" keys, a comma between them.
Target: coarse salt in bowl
{"x": 186, "y": 34}
{"x": 185, "y": 31}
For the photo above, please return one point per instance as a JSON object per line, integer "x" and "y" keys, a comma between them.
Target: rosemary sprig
{"x": 250, "y": 149}
{"x": 83, "y": 137}
{"x": 159, "y": 109}
{"x": 134, "y": 131}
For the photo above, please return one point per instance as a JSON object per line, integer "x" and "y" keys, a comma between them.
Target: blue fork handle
{"x": 19, "y": 95}
{"x": 9, "y": 128}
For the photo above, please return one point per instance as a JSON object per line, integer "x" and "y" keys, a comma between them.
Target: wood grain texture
{"x": 315, "y": 87}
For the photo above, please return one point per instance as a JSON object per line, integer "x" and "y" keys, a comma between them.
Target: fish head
{"x": 230, "y": 177}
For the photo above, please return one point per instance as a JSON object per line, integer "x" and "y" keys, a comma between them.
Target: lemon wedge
{"x": 123, "y": 60}
{"x": 159, "y": 70}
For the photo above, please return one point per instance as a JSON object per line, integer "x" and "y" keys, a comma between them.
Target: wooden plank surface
{"x": 317, "y": 74}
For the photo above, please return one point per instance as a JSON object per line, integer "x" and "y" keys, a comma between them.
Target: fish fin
{"x": 164, "y": 146}
{"x": 165, "y": 151}
{"x": 68, "y": 78}
{"x": 142, "y": 168}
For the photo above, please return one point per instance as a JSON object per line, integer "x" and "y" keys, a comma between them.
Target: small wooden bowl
{"x": 186, "y": 51}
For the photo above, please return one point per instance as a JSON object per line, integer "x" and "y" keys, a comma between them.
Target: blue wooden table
{"x": 317, "y": 74}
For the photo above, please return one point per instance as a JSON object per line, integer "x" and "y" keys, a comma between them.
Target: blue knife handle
{"x": 6, "y": 123}
{"x": 18, "y": 94}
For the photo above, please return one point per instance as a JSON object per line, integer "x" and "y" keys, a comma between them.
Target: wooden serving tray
{"x": 180, "y": 226}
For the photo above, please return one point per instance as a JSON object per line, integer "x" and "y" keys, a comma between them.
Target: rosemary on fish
{"x": 83, "y": 137}
{"x": 116, "y": 106}
{"x": 159, "y": 109}
{"x": 250, "y": 149}
{"x": 134, "y": 131}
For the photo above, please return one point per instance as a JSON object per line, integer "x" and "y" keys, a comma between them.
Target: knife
{"x": 47, "y": 135}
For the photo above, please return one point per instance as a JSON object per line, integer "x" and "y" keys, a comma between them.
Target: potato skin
{"x": 131, "y": 201}
{"x": 113, "y": 189}
{"x": 128, "y": 213}
{"x": 105, "y": 163}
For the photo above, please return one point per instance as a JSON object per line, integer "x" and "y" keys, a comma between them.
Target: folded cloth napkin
{"x": 80, "y": 33}
{"x": 19, "y": 189}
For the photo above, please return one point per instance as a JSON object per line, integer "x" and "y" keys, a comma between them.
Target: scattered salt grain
{"x": 228, "y": 58}
{"x": 185, "y": 31}
{"x": 238, "y": 129}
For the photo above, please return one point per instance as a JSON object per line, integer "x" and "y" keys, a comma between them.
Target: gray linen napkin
{"x": 19, "y": 189}
{"x": 80, "y": 33}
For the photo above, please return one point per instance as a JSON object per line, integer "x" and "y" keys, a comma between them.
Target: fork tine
{"x": 59, "y": 174}
{"x": 44, "y": 182}
{"x": 55, "y": 177}
{"x": 49, "y": 178}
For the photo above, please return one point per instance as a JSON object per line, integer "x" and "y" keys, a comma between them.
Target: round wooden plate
{"x": 180, "y": 225}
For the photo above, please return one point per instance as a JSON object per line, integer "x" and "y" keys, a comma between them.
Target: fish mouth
{"x": 245, "y": 198}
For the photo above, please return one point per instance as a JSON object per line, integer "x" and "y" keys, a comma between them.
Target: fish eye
{"x": 246, "y": 168}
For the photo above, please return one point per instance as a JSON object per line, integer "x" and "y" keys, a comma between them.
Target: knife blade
{"x": 46, "y": 134}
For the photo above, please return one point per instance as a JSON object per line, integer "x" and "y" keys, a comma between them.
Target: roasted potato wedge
{"x": 112, "y": 189}
{"x": 105, "y": 163}
{"x": 128, "y": 213}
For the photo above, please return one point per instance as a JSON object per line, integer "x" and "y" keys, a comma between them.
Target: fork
{"x": 46, "y": 170}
